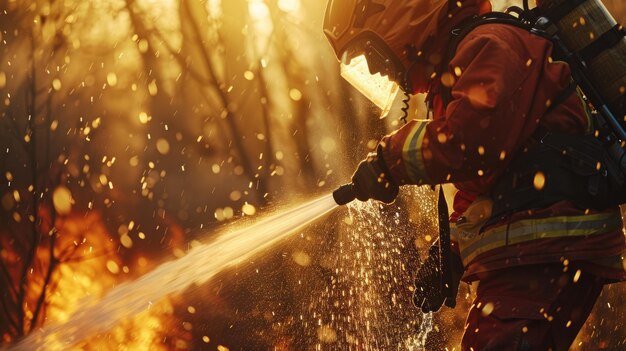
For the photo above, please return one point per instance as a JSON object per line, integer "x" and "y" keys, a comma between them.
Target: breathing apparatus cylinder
{"x": 586, "y": 27}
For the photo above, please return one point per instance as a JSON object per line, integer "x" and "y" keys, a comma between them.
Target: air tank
{"x": 588, "y": 28}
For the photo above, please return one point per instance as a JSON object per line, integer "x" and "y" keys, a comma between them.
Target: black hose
{"x": 405, "y": 107}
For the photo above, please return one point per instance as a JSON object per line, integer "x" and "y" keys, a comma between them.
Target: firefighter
{"x": 540, "y": 262}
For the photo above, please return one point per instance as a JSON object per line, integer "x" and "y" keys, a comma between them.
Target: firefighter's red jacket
{"x": 503, "y": 81}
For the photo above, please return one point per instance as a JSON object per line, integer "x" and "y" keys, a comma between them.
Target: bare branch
{"x": 32, "y": 250}
{"x": 7, "y": 277}
{"x": 44, "y": 288}
{"x": 14, "y": 129}
{"x": 10, "y": 315}
{"x": 181, "y": 60}
{"x": 225, "y": 101}
{"x": 68, "y": 254}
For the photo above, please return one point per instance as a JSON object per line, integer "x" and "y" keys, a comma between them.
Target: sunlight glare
{"x": 215, "y": 8}
{"x": 289, "y": 6}
{"x": 258, "y": 10}
{"x": 262, "y": 23}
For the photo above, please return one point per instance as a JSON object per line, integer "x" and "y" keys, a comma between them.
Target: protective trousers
{"x": 524, "y": 308}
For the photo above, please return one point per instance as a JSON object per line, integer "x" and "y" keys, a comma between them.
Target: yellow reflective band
{"x": 412, "y": 154}
{"x": 535, "y": 229}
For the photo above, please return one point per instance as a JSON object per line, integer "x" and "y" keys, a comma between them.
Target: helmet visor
{"x": 379, "y": 89}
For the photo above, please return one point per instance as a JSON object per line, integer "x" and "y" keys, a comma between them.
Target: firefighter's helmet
{"x": 391, "y": 35}
{"x": 382, "y": 30}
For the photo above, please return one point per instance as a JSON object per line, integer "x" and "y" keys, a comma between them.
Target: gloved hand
{"x": 371, "y": 179}
{"x": 428, "y": 294}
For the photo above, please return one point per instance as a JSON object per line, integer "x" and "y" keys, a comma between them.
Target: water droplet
{"x": 539, "y": 181}
{"x": 295, "y": 94}
{"x": 56, "y": 84}
{"x": 62, "y": 200}
{"x": 487, "y": 309}
{"x": 248, "y": 209}
{"x": 163, "y": 146}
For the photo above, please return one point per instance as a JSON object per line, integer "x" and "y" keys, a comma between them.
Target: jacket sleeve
{"x": 478, "y": 130}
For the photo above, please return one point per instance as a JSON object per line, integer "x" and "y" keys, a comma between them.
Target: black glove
{"x": 428, "y": 294}
{"x": 371, "y": 180}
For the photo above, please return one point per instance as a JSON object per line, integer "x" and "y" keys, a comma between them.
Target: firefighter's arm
{"x": 477, "y": 131}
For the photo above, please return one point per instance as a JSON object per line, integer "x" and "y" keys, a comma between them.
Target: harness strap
{"x": 606, "y": 41}
{"x": 572, "y": 167}
{"x": 561, "y": 10}
{"x": 562, "y": 97}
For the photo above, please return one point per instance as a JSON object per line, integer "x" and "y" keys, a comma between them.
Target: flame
{"x": 92, "y": 276}
{"x": 95, "y": 267}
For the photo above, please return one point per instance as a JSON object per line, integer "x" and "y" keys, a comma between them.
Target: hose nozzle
{"x": 344, "y": 194}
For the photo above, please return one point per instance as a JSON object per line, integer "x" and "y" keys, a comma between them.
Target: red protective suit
{"x": 503, "y": 80}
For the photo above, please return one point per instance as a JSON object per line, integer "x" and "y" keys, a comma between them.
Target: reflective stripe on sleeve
{"x": 412, "y": 154}
{"x": 535, "y": 229}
